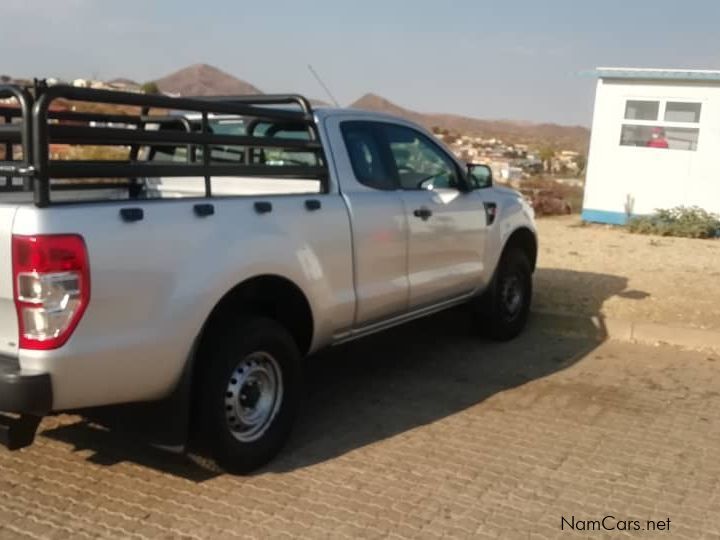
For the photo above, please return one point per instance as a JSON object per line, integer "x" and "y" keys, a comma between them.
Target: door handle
{"x": 423, "y": 213}
{"x": 204, "y": 210}
{"x": 130, "y": 215}
{"x": 263, "y": 207}
{"x": 312, "y": 205}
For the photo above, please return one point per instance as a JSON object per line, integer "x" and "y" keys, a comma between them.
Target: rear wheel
{"x": 248, "y": 394}
{"x": 506, "y": 305}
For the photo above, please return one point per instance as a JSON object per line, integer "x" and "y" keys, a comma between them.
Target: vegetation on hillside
{"x": 150, "y": 87}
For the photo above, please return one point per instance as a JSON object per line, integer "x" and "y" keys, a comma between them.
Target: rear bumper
{"x": 23, "y": 393}
{"x": 28, "y": 396}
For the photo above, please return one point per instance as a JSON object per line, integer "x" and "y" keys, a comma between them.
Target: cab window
{"x": 420, "y": 163}
{"x": 366, "y": 155}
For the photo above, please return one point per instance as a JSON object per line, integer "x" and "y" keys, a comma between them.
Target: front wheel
{"x": 248, "y": 395}
{"x": 506, "y": 304}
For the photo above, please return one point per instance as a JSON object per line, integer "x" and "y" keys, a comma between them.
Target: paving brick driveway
{"x": 422, "y": 432}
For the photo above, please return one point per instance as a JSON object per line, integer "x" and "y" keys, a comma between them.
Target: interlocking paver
{"x": 425, "y": 432}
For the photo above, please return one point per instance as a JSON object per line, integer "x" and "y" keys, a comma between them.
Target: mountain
{"x": 562, "y": 137}
{"x": 204, "y": 80}
{"x": 373, "y": 102}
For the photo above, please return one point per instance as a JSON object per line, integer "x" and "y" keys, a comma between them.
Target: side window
{"x": 420, "y": 163}
{"x": 662, "y": 124}
{"x": 225, "y": 154}
{"x": 284, "y": 156}
{"x": 366, "y": 155}
{"x": 641, "y": 110}
{"x": 218, "y": 154}
{"x": 676, "y": 111}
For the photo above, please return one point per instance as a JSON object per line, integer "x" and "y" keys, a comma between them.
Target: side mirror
{"x": 479, "y": 176}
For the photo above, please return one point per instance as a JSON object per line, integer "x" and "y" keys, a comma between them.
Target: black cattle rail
{"x": 32, "y": 127}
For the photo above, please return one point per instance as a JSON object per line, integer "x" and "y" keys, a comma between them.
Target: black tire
{"x": 503, "y": 317}
{"x": 244, "y": 358}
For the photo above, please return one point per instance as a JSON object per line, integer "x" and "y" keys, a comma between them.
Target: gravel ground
{"x": 424, "y": 431}
{"x": 602, "y": 270}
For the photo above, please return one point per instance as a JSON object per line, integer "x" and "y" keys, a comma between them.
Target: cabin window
{"x": 642, "y": 110}
{"x": 672, "y": 138}
{"x": 677, "y": 111}
{"x": 661, "y": 124}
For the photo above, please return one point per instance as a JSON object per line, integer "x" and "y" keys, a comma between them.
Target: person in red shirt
{"x": 657, "y": 138}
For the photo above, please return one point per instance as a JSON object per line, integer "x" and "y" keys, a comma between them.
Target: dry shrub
{"x": 551, "y": 198}
{"x": 682, "y": 221}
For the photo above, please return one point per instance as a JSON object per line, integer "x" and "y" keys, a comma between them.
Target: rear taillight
{"x": 51, "y": 280}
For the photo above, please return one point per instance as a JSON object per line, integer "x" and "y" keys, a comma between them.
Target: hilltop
{"x": 207, "y": 80}
{"x": 569, "y": 137}
{"x": 204, "y": 80}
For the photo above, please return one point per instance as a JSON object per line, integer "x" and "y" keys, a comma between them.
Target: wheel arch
{"x": 271, "y": 296}
{"x": 525, "y": 240}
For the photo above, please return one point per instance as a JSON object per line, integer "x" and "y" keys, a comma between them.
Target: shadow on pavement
{"x": 112, "y": 446}
{"x": 387, "y": 384}
{"x": 578, "y": 293}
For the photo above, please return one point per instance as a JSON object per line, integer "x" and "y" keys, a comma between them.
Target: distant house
{"x": 505, "y": 171}
{"x": 99, "y": 85}
{"x": 510, "y": 173}
{"x": 125, "y": 85}
{"x": 654, "y": 144}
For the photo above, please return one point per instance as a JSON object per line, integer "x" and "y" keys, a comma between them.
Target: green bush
{"x": 150, "y": 88}
{"x": 687, "y": 222}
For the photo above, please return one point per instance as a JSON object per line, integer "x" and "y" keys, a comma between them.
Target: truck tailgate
{"x": 8, "y": 316}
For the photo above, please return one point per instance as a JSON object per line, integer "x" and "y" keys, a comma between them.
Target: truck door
{"x": 446, "y": 226}
{"x": 378, "y": 221}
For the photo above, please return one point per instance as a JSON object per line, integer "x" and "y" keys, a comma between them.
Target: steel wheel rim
{"x": 512, "y": 295}
{"x": 253, "y": 396}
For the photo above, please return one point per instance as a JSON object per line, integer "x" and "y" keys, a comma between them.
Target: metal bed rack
{"x": 32, "y": 127}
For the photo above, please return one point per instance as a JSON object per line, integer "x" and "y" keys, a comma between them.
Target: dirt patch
{"x": 604, "y": 270}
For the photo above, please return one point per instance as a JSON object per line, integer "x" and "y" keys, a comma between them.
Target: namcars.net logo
{"x": 612, "y": 523}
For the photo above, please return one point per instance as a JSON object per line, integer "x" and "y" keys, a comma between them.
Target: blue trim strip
{"x": 605, "y": 216}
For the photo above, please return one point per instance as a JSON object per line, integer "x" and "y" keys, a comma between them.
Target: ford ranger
{"x": 192, "y": 251}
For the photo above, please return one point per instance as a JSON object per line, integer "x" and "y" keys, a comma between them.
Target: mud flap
{"x": 18, "y": 432}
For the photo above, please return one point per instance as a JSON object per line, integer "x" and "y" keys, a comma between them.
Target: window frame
{"x": 661, "y": 122}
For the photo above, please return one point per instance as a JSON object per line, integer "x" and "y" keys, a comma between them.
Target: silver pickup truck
{"x": 190, "y": 252}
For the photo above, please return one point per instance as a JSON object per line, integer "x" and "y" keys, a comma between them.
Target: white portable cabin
{"x": 655, "y": 143}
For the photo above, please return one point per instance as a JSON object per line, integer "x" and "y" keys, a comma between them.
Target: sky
{"x": 521, "y": 60}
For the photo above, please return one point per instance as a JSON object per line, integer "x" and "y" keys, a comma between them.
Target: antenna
{"x": 327, "y": 90}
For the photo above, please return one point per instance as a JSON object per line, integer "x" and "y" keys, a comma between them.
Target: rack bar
{"x": 238, "y": 108}
{"x": 24, "y": 130}
{"x": 205, "y": 126}
{"x": 61, "y": 134}
{"x": 25, "y": 101}
{"x": 264, "y": 99}
{"x": 124, "y": 169}
{"x": 39, "y": 127}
